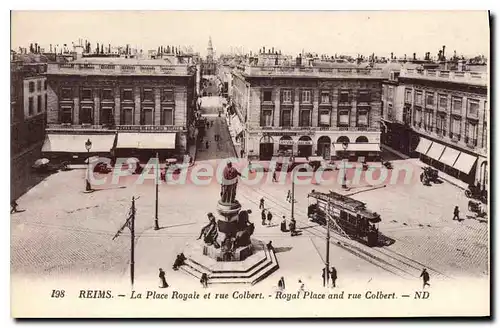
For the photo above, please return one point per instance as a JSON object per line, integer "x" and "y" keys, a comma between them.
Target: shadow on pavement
{"x": 282, "y": 249}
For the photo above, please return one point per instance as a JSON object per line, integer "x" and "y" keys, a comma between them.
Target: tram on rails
{"x": 347, "y": 216}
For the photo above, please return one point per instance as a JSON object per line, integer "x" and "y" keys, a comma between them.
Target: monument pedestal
{"x": 234, "y": 257}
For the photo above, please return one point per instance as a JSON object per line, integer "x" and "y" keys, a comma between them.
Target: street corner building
{"x": 440, "y": 114}
{"x": 126, "y": 107}
{"x": 306, "y": 107}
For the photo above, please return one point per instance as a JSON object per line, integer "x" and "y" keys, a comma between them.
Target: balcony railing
{"x": 476, "y": 78}
{"x": 313, "y": 72}
{"x": 310, "y": 128}
{"x": 116, "y": 69}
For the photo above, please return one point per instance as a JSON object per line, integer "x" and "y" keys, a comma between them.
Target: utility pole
{"x": 327, "y": 262}
{"x": 293, "y": 193}
{"x": 130, "y": 223}
{"x": 156, "y": 186}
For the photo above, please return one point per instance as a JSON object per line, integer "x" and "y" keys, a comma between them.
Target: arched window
{"x": 362, "y": 139}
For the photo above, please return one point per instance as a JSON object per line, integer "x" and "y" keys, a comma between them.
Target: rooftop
{"x": 472, "y": 78}
{"x": 312, "y": 72}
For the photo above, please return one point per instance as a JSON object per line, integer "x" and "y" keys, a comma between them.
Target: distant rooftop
{"x": 472, "y": 78}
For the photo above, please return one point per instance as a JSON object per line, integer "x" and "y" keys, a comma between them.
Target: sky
{"x": 322, "y": 32}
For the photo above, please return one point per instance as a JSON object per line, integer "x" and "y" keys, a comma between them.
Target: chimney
{"x": 272, "y": 51}
{"x": 414, "y": 56}
{"x": 444, "y": 47}
{"x": 50, "y": 48}
{"x": 263, "y": 50}
{"x": 392, "y": 55}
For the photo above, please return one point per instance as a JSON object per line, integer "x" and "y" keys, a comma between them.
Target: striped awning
{"x": 75, "y": 143}
{"x": 465, "y": 162}
{"x": 146, "y": 140}
{"x": 423, "y": 146}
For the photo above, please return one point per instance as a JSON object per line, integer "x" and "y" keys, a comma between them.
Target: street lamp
{"x": 344, "y": 174}
{"x": 88, "y": 146}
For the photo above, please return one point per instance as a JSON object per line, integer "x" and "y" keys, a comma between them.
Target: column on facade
{"x": 97, "y": 107}
{"x": 296, "y": 108}
{"x": 137, "y": 100}
{"x": 435, "y": 111}
{"x": 464, "y": 118}
{"x": 157, "y": 113}
{"x": 76, "y": 107}
{"x": 315, "y": 110}
{"x": 180, "y": 109}
{"x": 353, "y": 121}
{"x": 449, "y": 107}
{"x": 276, "y": 117}
{"x": 333, "y": 114}
{"x": 117, "y": 105}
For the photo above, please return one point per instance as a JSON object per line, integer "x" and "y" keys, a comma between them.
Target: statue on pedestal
{"x": 229, "y": 184}
{"x": 209, "y": 232}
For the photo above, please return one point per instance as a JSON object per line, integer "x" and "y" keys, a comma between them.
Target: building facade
{"x": 28, "y": 104}
{"x": 448, "y": 114}
{"x": 308, "y": 111}
{"x": 124, "y": 107}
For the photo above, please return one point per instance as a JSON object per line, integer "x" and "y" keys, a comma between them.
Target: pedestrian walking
{"x": 333, "y": 275}
{"x": 13, "y": 206}
{"x": 263, "y": 215}
{"x": 269, "y": 217}
{"x": 261, "y": 204}
{"x": 211, "y": 123}
{"x": 301, "y": 286}
{"x": 274, "y": 177}
{"x": 456, "y": 213}
{"x": 206, "y": 144}
{"x": 162, "y": 279}
{"x": 242, "y": 152}
{"x": 293, "y": 226}
{"x": 270, "y": 246}
{"x": 289, "y": 196}
{"x": 204, "y": 280}
{"x": 208, "y": 125}
{"x": 425, "y": 278}
{"x": 281, "y": 284}
{"x": 283, "y": 225}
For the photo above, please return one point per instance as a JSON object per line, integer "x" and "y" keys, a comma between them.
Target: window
{"x": 86, "y": 94}
{"x": 167, "y": 117}
{"x": 457, "y": 105}
{"x": 32, "y": 86}
{"x": 344, "y": 96}
{"x": 325, "y": 97}
{"x": 147, "y": 95}
{"x": 391, "y": 93}
{"x": 66, "y": 115}
{"x": 45, "y": 85}
{"x": 343, "y": 119}
{"x": 364, "y": 96}
{"x": 107, "y": 116}
{"x": 128, "y": 116}
{"x": 418, "y": 98}
{"x": 46, "y": 107}
{"x": 429, "y": 98}
{"x": 31, "y": 108}
{"x": 147, "y": 116}
{"x": 471, "y": 133}
{"x": 408, "y": 96}
{"x": 305, "y": 118}
{"x": 39, "y": 85}
{"x": 66, "y": 93}
{"x": 456, "y": 128}
{"x": 324, "y": 118}
{"x": 86, "y": 115}
{"x": 473, "y": 109}
{"x": 443, "y": 101}
{"x": 390, "y": 114}
{"x": 428, "y": 121}
{"x": 168, "y": 95}
{"x": 286, "y": 117}
{"x": 39, "y": 104}
{"x": 268, "y": 94}
{"x": 418, "y": 117}
{"x": 287, "y": 96}
{"x": 107, "y": 94}
{"x": 306, "y": 96}
{"x": 266, "y": 117}
{"x": 362, "y": 118}
{"x": 441, "y": 125}
{"x": 127, "y": 95}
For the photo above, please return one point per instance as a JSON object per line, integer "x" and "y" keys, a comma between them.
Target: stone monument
{"x": 225, "y": 250}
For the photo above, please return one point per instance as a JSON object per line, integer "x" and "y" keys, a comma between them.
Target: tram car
{"x": 347, "y": 216}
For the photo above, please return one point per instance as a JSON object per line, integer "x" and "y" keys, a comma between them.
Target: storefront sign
{"x": 286, "y": 142}
{"x": 280, "y": 134}
{"x": 304, "y": 142}
{"x": 150, "y": 128}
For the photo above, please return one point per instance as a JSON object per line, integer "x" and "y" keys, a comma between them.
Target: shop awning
{"x": 449, "y": 156}
{"x": 465, "y": 162}
{"x": 237, "y": 126}
{"x": 423, "y": 146}
{"x": 146, "y": 140}
{"x": 374, "y": 147}
{"x": 436, "y": 151}
{"x": 75, "y": 143}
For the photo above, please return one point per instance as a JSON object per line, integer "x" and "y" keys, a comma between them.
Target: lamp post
{"x": 157, "y": 227}
{"x": 344, "y": 174}
{"x": 88, "y": 146}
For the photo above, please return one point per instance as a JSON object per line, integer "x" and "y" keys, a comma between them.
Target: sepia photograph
{"x": 250, "y": 164}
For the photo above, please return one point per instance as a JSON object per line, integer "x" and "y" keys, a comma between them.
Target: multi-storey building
{"x": 28, "y": 102}
{"x": 125, "y": 107}
{"x": 308, "y": 111}
{"x": 442, "y": 116}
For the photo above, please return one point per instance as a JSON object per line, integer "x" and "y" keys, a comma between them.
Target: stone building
{"x": 307, "y": 111}
{"x": 442, "y": 117}
{"x": 125, "y": 107}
